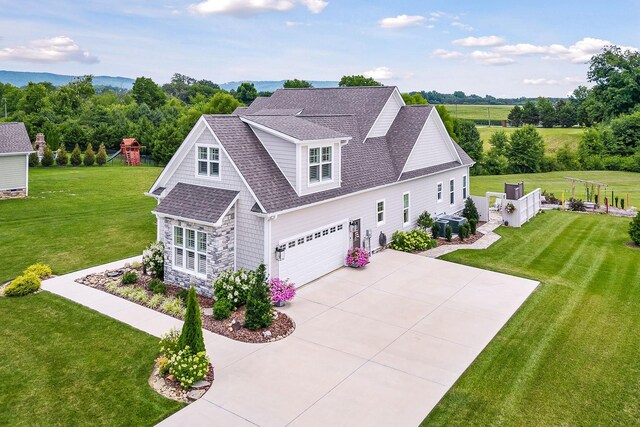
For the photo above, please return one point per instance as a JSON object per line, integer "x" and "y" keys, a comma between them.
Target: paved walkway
{"x": 373, "y": 346}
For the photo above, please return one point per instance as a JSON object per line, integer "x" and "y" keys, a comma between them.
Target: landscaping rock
{"x": 201, "y": 384}
{"x": 195, "y": 394}
{"x": 266, "y": 334}
{"x": 235, "y": 326}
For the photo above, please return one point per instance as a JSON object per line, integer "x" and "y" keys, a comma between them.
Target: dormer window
{"x": 208, "y": 159}
{"x": 320, "y": 164}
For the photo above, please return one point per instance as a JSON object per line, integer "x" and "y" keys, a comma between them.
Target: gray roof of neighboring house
{"x": 296, "y": 127}
{"x": 206, "y": 204}
{"x": 14, "y": 138}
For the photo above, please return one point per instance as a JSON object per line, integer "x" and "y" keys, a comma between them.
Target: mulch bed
{"x": 441, "y": 241}
{"x": 632, "y": 245}
{"x": 281, "y": 327}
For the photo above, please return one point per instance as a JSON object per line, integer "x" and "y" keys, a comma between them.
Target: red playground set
{"x": 130, "y": 152}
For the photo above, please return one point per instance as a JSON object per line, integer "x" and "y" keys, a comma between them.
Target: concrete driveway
{"x": 377, "y": 346}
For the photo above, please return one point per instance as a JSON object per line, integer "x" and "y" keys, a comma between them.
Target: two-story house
{"x": 296, "y": 179}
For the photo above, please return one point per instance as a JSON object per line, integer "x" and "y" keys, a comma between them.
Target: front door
{"x": 356, "y": 241}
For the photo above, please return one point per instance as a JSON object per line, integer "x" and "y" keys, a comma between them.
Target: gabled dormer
{"x": 308, "y": 155}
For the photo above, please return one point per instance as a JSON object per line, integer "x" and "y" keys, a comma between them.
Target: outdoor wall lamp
{"x": 352, "y": 226}
{"x": 280, "y": 252}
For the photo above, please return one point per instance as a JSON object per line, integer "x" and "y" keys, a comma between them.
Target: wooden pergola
{"x": 585, "y": 182}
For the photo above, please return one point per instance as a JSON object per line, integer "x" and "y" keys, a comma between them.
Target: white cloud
{"x": 552, "y": 82}
{"x": 379, "y": 73}
{"x": 55, "y": 49}
{"x": 401, "y": 21}
{"x": 490, "y": 58}
{"x": 484, "y": 41}
{"x": 248, "y": 7}
{"x": 579, "y": 52}
{"x": 294, "y": 24}
{"x": 446, "y": 54}
{"x": 462, "y": 26}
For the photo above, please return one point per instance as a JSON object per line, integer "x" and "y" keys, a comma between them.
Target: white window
{"x": 452, "y": 191}
{"x": 190, "y": 250}
{"x": 208, "y": 159}
{"x": 464, "y": 187}
{"x": 405, "y": 209}
{"x": 380, "y": 212}
{"x": 320, "y": 164}
{"x": 439, "y": 192}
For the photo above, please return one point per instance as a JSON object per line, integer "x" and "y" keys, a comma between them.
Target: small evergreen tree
{"x": 33, "y": 160}
{"x": 101, "y": 158}
{"x": 448, "y": 233}
{"x": 47, "y": 157}
{"x": 192, "y": 328}
{"x": 470, "y": 211}
{"x": 62, "y": 158}
{"x": 76, "y": 157}
{"x": 89, "y": 156}
{"x": 435, "y": 230}
{"x": 259, "y": 306}
{"x": 634, "y": 229}
{"x": 473, "y": 224}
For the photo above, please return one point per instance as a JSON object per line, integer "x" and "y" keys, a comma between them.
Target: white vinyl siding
{"x": 13, "y": 172}
{"x": 386, "y": 116}
{"x": 283, "y": 153}
{"x": 432, "y": 147}
{"x": 406, "y": 209}
{"x": 190, "y": 250}
{"x": 249, "y": 227}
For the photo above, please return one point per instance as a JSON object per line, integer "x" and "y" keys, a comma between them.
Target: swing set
{"x": 593, "y": 193}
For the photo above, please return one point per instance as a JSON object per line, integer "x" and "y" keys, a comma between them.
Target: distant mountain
{"x": 271, "y": 86}
{"x": 21, "y": 78}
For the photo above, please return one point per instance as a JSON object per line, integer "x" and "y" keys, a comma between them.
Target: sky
{"x": 500, "y": 48}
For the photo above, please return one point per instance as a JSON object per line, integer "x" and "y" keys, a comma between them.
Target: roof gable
{"x": 14, "y": 138}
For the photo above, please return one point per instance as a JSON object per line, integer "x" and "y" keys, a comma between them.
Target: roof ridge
{"x": 333, "y": 88}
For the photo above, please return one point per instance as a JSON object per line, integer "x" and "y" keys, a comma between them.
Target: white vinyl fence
{"x": 526, "y": 208}
{"x": 482, "y": 204}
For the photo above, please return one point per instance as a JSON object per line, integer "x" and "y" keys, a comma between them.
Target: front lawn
{"x": 570, "y": 355}
{"x": 63, "y": 364}
{"x": 76, "y": 218}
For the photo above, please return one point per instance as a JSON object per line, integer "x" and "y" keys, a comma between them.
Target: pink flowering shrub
{"x": 281, "y": 290}
{"x": 357, "y": 257}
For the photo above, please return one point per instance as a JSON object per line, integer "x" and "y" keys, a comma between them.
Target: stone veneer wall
{"x": 220, "y": 253}
{"x": 13, "y": 194}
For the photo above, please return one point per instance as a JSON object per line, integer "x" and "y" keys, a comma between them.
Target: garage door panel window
{"x": 190, "y": 250}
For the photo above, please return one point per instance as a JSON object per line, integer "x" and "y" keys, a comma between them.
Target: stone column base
{"x": 13, "y": 194}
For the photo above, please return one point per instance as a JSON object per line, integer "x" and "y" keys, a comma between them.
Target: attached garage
{"x": 315, "y": 253}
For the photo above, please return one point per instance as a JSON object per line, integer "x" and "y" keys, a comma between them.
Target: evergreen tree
{"x": 47, "y": 157}
{"x": 634, "y": 229}
{"x": 101, "y": 158}
{"x": 470, "y": 211}
{"x": 546, "y": 112}
{"x": 192, "y": 328}
{"x": 62, "y": 159}
{"x": 259, "y": 306}
{"x": 76, "y": 157}
{"x": 296, "y": 84}
{"x": 530, "y": 114}
{"x": 89, "y": 156}
{"x": 515, "y": 116}
{"x": 33, "y": 159}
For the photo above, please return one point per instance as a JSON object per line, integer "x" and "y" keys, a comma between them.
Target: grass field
{"x": 479, "y": 112}
{"x": 66, "y": 365}
{"x": 554, "y": 138}
{"x": 569, "y": 356}
{"x": 620, "y": 182}
{"x": 76, "y": 218}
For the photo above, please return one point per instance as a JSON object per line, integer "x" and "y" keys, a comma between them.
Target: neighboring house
{"x": 15, "y": 147}
{"x": 296, "y": 179}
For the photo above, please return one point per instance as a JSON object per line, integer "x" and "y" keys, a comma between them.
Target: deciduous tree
{"x": 358, "y": 80}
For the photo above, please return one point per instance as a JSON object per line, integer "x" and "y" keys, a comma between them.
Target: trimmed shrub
{"x": 435, "y": 230}
{"x": 173, "y": 305}
{"x": 157, "y": 287}
{"x": 470, "y": 211}
{"x": 622, "y": 203}
{"x": 155, "y": 301}
{"x": 76, "y": 156}
{"x": 448, "y": 233}
{"x": 233, "y": 286}
{"x": 464, "y": 231}
{"x": 33, "y": 160}
{"x": 62, "y": 159}
{"x": 47, "y": 157}
{"x": 191, "y": 336}
{"x": 425, "y": 221}
{"x": 634, "y": 229}
{"x": 89, "y": 156}
{"x": 129, "y": 278}
{"x": 412, "y": 241}
{"x": 153, "y": 259}
{"x": 169, "y": 342}
{"x": 259, "y": 307}
{"x": 23, "y": 285}
{"x": 182, "y": 295}
{"x": 577, "y": 205}
{"x": 222, "y": 309}
{"x": 187, "y": 367}
{"x": 473, "y": 226}
{"x": 39, "y": 269}
{"x": 616, "y": 200}
{"x": 101, "y": 157}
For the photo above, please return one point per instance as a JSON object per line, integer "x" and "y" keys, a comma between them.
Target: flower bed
{"x": 172, "y": 304}
{"x": 170, "y": 388}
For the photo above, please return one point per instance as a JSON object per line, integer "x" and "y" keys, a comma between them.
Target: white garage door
{"x": 315, "y": 253}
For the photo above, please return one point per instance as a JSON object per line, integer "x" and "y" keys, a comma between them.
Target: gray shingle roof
{"x": 206, "y": 204}
{"x": 14, "y": 138}
{"x": 296, "y": 127}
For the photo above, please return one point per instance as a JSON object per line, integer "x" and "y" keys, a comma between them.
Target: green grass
{"x": 554, "y": 182}
{"x": 66, "y": 365}
{"x": 76, "y": 218}
{"x": 554, "y": 138}
{"x": 479, "y": 112}
{"x": 569, "y": 356}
